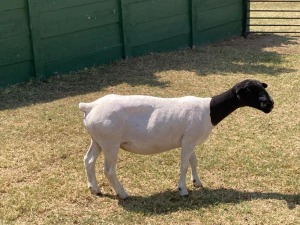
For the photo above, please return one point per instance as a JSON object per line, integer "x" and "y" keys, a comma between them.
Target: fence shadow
{"x": 170, "y": 201}
{"x": 239, "y": 55}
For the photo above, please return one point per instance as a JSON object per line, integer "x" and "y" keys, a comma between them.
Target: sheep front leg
{"x": 110, "y": 164}
{"x": 89, "y": 163}
{"x": 185, "y": 156}
{"x": 195, "y": 178}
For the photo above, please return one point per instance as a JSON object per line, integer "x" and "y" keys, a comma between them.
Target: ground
{"x": 249, "y": 166}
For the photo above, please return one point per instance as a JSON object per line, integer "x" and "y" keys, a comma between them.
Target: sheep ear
{"x": 264, "y": 85}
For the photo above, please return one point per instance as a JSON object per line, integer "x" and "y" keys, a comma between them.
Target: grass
{"x": 249, "y": 165}
{"x": 276, "y": 19}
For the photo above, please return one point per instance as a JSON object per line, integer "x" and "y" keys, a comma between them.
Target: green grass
{"x": 249, "y": 165}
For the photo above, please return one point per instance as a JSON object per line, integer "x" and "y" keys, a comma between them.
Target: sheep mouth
{"x": 267, "y": 110}
{"x": 267, "y": 107}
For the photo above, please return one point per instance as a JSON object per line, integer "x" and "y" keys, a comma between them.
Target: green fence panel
{"x": 154, "y": 25}
{"x": 16, "y": 60}
{"x": 70, "y": 35}
{"x": 217, "y": 19}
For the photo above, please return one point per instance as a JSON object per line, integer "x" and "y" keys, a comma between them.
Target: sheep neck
{"x": 222, "y": 105}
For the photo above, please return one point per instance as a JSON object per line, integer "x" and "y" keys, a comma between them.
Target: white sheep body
{"x": 146, "y": 124}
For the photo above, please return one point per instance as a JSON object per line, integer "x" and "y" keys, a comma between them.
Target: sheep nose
{"x": 269, "y": 103}
{"x": 266, "y": 104}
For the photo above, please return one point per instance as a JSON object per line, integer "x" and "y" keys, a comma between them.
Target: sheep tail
{"x": 85, "y": 107}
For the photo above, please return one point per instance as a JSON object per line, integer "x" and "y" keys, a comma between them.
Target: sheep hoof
{"x": 97, "y": 193}
{"x": 185, "y": 196}
{"x": 122, "y": 197}
{"x": 197, "y": 184}
{"x": 183, "y": 193}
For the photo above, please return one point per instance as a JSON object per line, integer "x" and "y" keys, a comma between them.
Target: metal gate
{"x": 273, "y": 16}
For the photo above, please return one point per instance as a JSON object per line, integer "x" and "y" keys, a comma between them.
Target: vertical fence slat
{"x": 193, "y": 22}
{"x": 125, "y": 27}
{"x": 246, "y": 20}
{"x": 34, "y": 17}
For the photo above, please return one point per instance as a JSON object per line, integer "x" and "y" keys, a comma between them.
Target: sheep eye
{"x": 250, "y": 88}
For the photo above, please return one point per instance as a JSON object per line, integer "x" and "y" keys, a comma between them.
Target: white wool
{"x": 148, "y": 125}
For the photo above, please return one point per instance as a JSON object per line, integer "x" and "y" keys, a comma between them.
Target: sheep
{"x": 150, "y": 125}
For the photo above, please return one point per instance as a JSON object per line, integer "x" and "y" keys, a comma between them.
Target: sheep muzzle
{"x": 267, "y": 105}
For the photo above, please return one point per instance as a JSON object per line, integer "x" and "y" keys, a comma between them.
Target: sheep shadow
{"x": 170, "y": 201}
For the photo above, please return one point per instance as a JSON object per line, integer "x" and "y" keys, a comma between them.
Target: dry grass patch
{"x": 275, "y": 18}
{"x": 249, "y": 165}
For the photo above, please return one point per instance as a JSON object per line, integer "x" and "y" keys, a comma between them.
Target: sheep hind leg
{"x": 195, "y": 178}
{"x": 110, "y": 164}
{"x": 89, "y": 163}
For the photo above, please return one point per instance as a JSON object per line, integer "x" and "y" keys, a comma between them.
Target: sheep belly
{"x": 163, "y": 138}
{"x": 152, "y": 142}
{"x": 158, "y": 132}
{"x": 146, "y": 148}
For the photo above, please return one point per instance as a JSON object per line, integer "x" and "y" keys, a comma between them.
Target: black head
{"x": 253, "y": 93}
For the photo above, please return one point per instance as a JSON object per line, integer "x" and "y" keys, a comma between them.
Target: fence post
{"x": 193, "y": 21}
{"x": 125, "y": 29}
{"x": 36, "y": 39}
{"x": 246, "y": 15}
{"x": 31, "y": 40}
